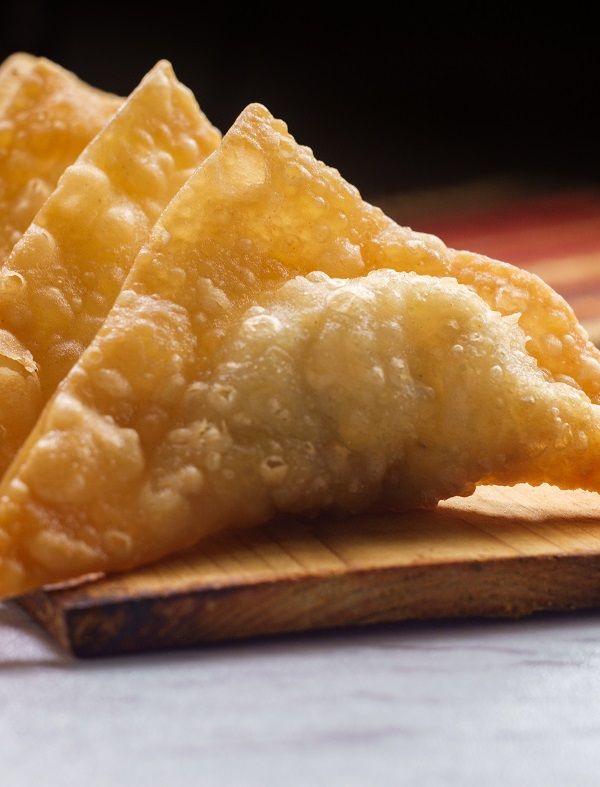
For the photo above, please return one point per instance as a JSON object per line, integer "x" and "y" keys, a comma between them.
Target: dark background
{"x": 394, "y": 108}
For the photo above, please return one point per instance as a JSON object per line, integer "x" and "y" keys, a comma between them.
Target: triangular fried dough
{"x": 12, "y": 72}
{"x": 47, "y": 117}
{"x": 63, "y": 276}
{"x": 270, "y": 353}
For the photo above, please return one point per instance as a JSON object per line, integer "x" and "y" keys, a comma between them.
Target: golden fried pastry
{"x": 12, "y": 72}
{"x": 62, "y": 277}
{"x": 281, "y": 346}
{"x": 47, "y": 117}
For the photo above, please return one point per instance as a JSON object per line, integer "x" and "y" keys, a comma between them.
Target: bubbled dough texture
{"x": 294, "y": 214}
{"x": 218, "y": 391}
{"x": 47, "y": 117}
{"x": 63, "y": 276}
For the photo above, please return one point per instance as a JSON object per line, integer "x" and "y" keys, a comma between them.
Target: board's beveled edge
{"x": 50, "y": 615}
{"x": 496, "y": 588}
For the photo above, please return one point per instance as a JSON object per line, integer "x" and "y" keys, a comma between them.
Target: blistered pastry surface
{"x": 281, "y": 346}
{"x": 47, "y": 117}
{"x": 63, "y": 275}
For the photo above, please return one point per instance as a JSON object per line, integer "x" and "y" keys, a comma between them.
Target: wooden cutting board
{"x": 502, "y": 552}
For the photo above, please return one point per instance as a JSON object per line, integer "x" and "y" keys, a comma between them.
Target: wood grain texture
{"x": 503, "y": 552}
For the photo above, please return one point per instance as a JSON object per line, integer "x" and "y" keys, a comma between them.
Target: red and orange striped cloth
{"x": 555, "y": 235}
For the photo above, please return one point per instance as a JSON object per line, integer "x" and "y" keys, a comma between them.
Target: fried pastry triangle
{"x": 62, "y": 277}
{"x": 12, "y": 72}
{"x": 47, "y": 117}
{"x": 281, "y": 346}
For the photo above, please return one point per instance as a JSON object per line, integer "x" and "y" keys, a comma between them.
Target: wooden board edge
{"x": 49, "y": 615}
{"x": 497, "y": 588}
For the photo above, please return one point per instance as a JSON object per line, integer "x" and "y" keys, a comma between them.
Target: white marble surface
{"x": 470, "y": 703}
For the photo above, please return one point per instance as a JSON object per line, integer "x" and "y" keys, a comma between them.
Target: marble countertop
{"x": 466, "y": 703}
